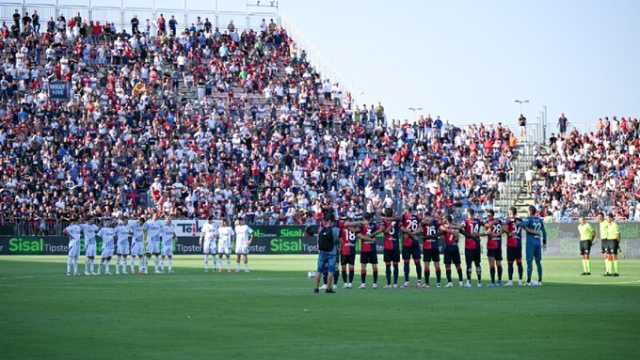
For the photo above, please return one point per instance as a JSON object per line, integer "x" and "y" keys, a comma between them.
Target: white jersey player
{"x": 209, "y": 243}
{"x": 153, "y": 227}
{"x": 74, "y": 232}
{"x": 167, "y": 234}
{"x": 107, "y": 234}
{"x": 225, "y": 233}
{"x": 89, "y": 234}
{"x": 137, "y": 244}
{"x": 122, "y": 241}
{"x": 243, "y": 240}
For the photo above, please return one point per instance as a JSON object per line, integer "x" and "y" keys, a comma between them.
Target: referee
{"x": 613, "y": 236}
{"x": 587, "y": 236}
{"x": 326, "y": 252}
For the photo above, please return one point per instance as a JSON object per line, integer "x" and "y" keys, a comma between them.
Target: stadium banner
{"x": 273, "y": 239}
{"x": 59, "y": 90}
{"x": 187, "y": 227}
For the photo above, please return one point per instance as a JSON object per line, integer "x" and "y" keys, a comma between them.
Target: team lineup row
{"x": 416, "y": 236}
{"x": 128, "y": 238}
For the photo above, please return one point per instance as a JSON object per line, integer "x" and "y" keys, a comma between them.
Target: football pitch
{"x": 271, "y": 313}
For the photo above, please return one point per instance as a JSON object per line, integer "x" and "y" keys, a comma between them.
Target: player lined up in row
{"x": 143, "y": 240}
{"x": 418, "y": 236}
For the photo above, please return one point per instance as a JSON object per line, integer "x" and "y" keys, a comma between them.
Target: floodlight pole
{"x": 520, "y": 102}
{"x": 415, "y": 111}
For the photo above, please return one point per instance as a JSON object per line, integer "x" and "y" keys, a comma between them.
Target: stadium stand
{"x": 582, "y": 174}
{"x": 214, "y": 122}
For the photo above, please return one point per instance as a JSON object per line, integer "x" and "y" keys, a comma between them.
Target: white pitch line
{"x": 614, "y": 283}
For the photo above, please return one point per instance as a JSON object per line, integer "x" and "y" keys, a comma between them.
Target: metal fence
{"x": 120, "y": 12}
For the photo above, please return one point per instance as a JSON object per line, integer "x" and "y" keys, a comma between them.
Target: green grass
{"x": 271, "y": 313}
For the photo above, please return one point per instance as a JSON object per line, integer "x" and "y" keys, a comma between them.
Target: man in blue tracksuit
{"x": 534, "y": 228}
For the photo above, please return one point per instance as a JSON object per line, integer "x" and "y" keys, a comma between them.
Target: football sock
{"x": 133, "y": 264}
{"x": 510, "y": 270}
{"x": 352, "y": 274}
{"x": 206, "y": 261}
{"x": 520, "y": 270}
{"x": 344, "y": 276}
{"x": 529, "y": 271}
{"x": 499, "y": 273}
{"x": 459, "y": 268}
{"x": 607, "y": 266}
{"x": 387, "y": 274}
{"x": 588, "y": 264}
{"x": 69, "y": 261}
{"x": 419, "y": 271}
{"x": 395, "y": 273}
{"x": 615, "y": 266}
{"x": 363, "y": 276}
{"x": 448, "y": 273}
{"x": 479, "y": 273}
{"x": 375, "y": 276}
{"x": 170, "y": 264}
{"x": 75, "y": 266}
{"x": 406, "y": 271}
{"x": 427, "y": 275}
{"x": 539, "y": 268}
{"x": 469, "y": 273}
{"x": 438, "y": 275}
{"x": 492, "y": 274}
{"x": 238, "y": 267}
{"x": 336, "y": 276}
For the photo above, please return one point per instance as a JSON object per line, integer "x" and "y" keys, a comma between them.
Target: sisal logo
{"x": 26, "y": 245}
{"x": 279, "y": 245}
{"x": 291, "y": 232}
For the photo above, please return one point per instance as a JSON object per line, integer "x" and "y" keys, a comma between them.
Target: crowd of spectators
{"x": 582, "y": 174}
{"x": 264, "y": 137}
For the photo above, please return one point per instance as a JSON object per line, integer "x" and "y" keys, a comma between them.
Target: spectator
{"x": 522, "y": 122}
{"x": 173, "y": 23}
{"x": 562, "y": 124}
{"x": 134, "y": 25}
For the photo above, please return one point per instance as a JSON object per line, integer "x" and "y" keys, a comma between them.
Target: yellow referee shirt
{"x": 603, "y": 230}
{"x": 613, "y": 231}
{"x": 586, "y": 231}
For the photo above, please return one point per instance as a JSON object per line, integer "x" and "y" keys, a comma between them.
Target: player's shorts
{"x": 167, "y": 249}
{"x": 604, "y": 243}
{"x": 495, "y": 254}
{"x": 90, "y": 250}
{"x": 452, "y": 255}
{"x": 224, "y": 247}
{"x": 585, "y": 247}
{"x": 74, "y": 251}
{"x": 370, "y": 257}
{"x": 123, "y": 248}
{"x": 431, "y": 254}
{"x": 242, "y": 250}
{"x": 210, "y": 247}
{"x": 514, "y": 253}
{"x": 472, "y": 256}
{"x": 348, "y": 259}
{"x": 391, "y": 255}
{"x": 137, "y": 248}
{"x": 411, "y": 252}
{"x": 106, "y": 252}
{"x": 153, "y": 247}
{"x": 613, "y": 247}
